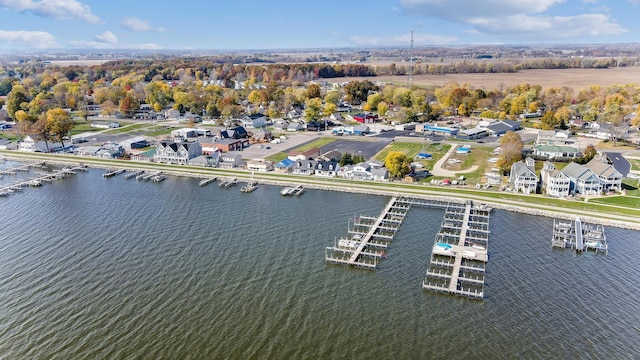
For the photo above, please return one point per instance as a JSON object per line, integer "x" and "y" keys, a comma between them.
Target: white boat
{"x": 351, "y": 244}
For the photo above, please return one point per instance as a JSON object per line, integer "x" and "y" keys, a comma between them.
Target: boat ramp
{"x": 579, "y": 236}
{"x": 369, "y": 237}
{"x": 292, "y": 191}
{"x": 459, "y": 254}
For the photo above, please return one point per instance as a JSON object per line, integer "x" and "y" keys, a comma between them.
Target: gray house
{"x": 523, "y": 176}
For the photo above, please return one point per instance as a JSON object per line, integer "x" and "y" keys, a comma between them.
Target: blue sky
{"x": 294, "y": 24}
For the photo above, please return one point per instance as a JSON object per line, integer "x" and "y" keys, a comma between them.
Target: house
{"x": 171, "y": 114}
{"x": 330, "y": 155}
{"x": 260, "y": 165}
{"x": 554, "y": 182}
{"x": 551, "y": 152}
{"x": 237, "y": 132}
{"x": 610, "y": 177}
{"x": 327, "y": 168}
{"x": 304, "y": 167}
{"x": 437, "y": 130}
{"x": 304, "y": 155}
{"x": 171, "y": 152}
{"x": 472, "y": 134}
{"x": 523, "y": 176}
{"x": 501, "y": 127}
{"x": 364, "y": 171}
{"x": 110, "y": 151}
{"x": 146, "y": 156}
{"x": 184, "y": 133}
{"x": 230, "y": 160}
{"x": 583, "y": 180}
{"x": 261, "y": 135}
{"x": 546, "y": 137}
{"x": 210, "y": 160}
{"x": 28, "y": 144}
{"x": 314, "y": 126}
{"x": 295, "y": 113}
{"x": 254, "y": 121}
{"x": 335, "y": 117}
{"x": 284, "y": 166}
{"x": 295, "y": 126}
{"x": 365, "y": 118}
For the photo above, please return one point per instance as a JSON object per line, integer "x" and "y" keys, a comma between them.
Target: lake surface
{"x": 96, "y": 268}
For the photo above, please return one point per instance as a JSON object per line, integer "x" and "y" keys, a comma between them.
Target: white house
{"x": 583, "y": 180}
{"x": 171, "y": 152}
{"x": 254, "y": 121}
{"x": 555, "y": 183}
{"x": 230, "y": 159}
{"x": 523, "y": 176}
{"x": 28, "y": 144}
{"x": 610, "y": 177}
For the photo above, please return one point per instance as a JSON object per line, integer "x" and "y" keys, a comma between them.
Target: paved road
{"x": 619, "y": 162}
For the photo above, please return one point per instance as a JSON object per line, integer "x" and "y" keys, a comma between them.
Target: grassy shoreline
{"x": 608, "y": 214}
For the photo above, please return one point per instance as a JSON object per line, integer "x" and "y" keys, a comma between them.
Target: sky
{"x": 303, "y": 24}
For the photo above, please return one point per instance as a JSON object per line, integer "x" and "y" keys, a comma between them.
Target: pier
{"x": 228, "y": 182}
{"x": 292, "y": 191}
{"x": 579, "y": 236}
{"x": 459, "y": 254}
{"x": 134, "y": 174}
{"x": 369, "y": 237}
{"x": 208, "y": 181}
{"x": 38, "y": 180}
{"x": 113, "y": 173}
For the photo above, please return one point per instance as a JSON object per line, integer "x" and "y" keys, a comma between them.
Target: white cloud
{"x": 135, "y": 24}
{"x": 519, "y": 20}
{"x": 107, "y": 37}
{"x": 402, "y": 40}
{"x": 81, "y": 44}
{"x": 38, "y": 39}
{"x": 57, "y": 9}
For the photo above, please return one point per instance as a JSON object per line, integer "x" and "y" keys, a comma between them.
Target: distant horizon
{"x": 267, "y": 25}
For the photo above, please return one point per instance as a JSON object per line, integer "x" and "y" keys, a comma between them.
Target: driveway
{"x": 619, "y": 162}
{"x": 439, "y": 171}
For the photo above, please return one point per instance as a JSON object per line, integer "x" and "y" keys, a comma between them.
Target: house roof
{"x": 577, "y": 171}
{"x": 331, "y": 165}
{"x": 499, "y": 127}
{"x": 520, "y": 168}
{"x": 603, "y": 169}
{"x": 285, "y": 163}
{"x": 555, "y": 149}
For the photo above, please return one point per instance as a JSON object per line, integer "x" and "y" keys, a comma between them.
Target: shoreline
{"x": 318, "y": 184}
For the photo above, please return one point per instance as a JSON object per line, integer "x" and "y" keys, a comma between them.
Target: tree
{"x": 383, "y": 108}
{"x": 313, "y": 91}
{"x": 59, "y": 123}
{"x": 359, "y": 90}
{"x": 374, "y": 100}
{"x": 549, "y": 121}
{"x": 313, "y": 110}
{"x": 158, "y": 92}
{"x": 15, "y": 99}
{"x": 511, "y": 145}
{"x": 41, "y": 130}
{"x": 333, "y": 97}
{"x": 398, "y": 164}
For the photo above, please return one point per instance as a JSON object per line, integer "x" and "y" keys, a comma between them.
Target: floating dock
{"x": 292, "y": 191}
{"x": 228, "y": 182}
{"x": 134, "y": 174}
{"x": 113, "y": 173}
{"x": 369, "y": 237}
{"x": 459, "y": 254}
{"x": 38, "y": 180}
{"x": 579, "y": 236}
{"x": 208, "y": 181}
{"x": 249, "y": 187}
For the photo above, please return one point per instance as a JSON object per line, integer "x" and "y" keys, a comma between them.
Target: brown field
{"x": 576, "y": 79}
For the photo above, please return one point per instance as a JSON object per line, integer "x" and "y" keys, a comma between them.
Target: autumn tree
{"x": 158, "y": 94}
{"x": 511, "y": 145}
{"x": 41, "y": 130}
{"x": 398, "y": 164}
{"x": 15, "y": 100}
{"x": 383, "y": 108}
{"x": 359, "y": 90}
{"x": 59, "y": 123}
{"x": 332, "y": 96}
{"x": 373, "y": 100}
{"x": 313, "y": 91}
{"x": 313, "y": 110}
{"x": 549, "y": 121}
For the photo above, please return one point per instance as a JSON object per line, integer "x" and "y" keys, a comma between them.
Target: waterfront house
{"x": 364, "y": 171}
{"x": 554, "y": 182}
{"x": 330, "y": 155}
{"x": 304, "y": 167}
{"x": 284, "y": 166}
{"x": 260, "y": 165}
{"x": 610, "y": 177}
{"x": 170, "y": 152}
{"x": 29, "y": 144}
{"x": 230, "y": 160}
{"x": 523, "y": 176}
{"x": 210, "y": 160}
{"x": 304, "y": 155}
{"x": 327, "y": 168}
{"x": 546, "y": 137}
{"x": 583, "y": 180}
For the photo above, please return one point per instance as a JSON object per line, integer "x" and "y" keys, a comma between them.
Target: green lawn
{"x": 277, "y": 157}
{"x": 409, "y": 149}
{"x": 11, "y": 136}
{"x": 626, "y": 201}
{"x": 127, "y": 128}
{"x": 635, "y": 164}
{"x": 160, "y": 132}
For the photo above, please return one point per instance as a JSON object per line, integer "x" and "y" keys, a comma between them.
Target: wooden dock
{"x": 228, "y": 182}
{"x": 134, "y": 174}
{"x": 292, "y": 191}
{"x": 459, "y": 253}
{"x": 369, "y": 237}
{"x": 579, "y": 236}
{"x": 208, "y": 181}
{"x": 113, "y": 173}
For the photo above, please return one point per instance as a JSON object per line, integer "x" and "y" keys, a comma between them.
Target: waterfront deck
{"x": 579, "y": 236}
{"x": 369, "y": 237}
{"x": 459, "y": 253}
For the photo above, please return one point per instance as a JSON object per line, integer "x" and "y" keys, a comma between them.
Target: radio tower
{"x": 410, "y": 80}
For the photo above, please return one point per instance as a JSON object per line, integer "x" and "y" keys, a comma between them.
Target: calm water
{"x": 96, "y": 268}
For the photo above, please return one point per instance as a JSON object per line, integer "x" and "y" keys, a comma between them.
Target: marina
{"x": 38, "y": 180}
{"x": 579, "y": 236}
{"x": 459, "y": 254}
{"x": 368, "y": 237}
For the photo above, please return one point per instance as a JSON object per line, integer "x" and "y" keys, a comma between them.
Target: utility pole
{"x": 410, "y": 80}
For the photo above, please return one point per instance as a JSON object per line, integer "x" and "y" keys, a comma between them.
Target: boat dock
{"x": 228, "y": 182}
{"x": 23, "y": 168}
{"x": 134, "y": 174}
{"x": 292, "y": 191}
{"x": 369, "y": 237}
{"x": 459, "y": 254}
{"x": 38, "y": 180}
{"x": 149, "y": 176}
{"x": 112, "y": 173}
{"x": 579, "y": 236}
{"x": 208, "y": 181}
{"x": 249, "y": 187}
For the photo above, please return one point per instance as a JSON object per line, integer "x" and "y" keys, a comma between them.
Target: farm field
{"x": 576, "y": 79}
